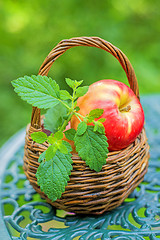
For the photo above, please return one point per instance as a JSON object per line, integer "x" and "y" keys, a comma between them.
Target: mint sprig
{"x": 39, "y": 137}
{"x": 90, "y": 141}
{"x": 53, "y": 175}
{"x": 92, "y": 147}
{"x": 81, "y": 129}
{"x": 40, "y": 91}
{"x": 55, "y": 117}
{"x": 70, "y": 134}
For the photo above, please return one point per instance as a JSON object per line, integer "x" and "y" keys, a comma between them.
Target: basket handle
{"x": 97, "y": 42}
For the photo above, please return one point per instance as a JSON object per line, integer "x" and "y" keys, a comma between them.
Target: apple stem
{"x": 125, "y": 109}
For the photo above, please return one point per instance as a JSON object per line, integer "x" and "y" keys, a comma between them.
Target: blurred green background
{"x": 30, "y": 29}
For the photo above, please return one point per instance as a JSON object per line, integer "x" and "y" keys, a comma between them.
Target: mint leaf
{"x": 82, "y": 127}
{"x": 39, "y": 137}
{"x": 57, "y": 144}
{"x": 77, "y": 108}
{"x": 64, "y": 95}
{"x": 78, "y": 83}
{"x": 70, "y": 134}
{"x": 51, "y": 139}
{"x": 50, "y": 152}
{"x": 101, "y": 120}
{"x": 99, "y": 127}
{"x": 40, "y": 91}
{"x": 53, "y": 175}
{"x": 66, "y": 117}
{"x": 73, "y": 83}
{"x": 92, "y": 147}
{"x": 81, "y": 91}
{"x": 55, "y": 138}
{"x": 62, "y": 148}
{"x": 68, "y": 146}
{"x": 96, "y": 113}
{"x": 58, "y": 135}
{"x": 70, "y": 83}
{"x": 42, "y": 157}
{"x": 54, "y": 117}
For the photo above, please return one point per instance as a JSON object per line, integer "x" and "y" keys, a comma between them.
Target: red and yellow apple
{"x": 122, "y": 110}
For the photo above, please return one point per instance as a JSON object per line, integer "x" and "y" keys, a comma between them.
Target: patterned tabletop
{"x": 24, "y": 215}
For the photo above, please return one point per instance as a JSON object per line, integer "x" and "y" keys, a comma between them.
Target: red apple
{"x": 122, "y": 110}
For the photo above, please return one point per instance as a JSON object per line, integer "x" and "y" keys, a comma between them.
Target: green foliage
{"x": 64, "y": 95}
{"x": 81, "y": 91}
{"x": 62, "y": 148}
{"x": 51, "y": 152}
{"x": 96, "y": 113}
{"x": 77, "y": 91}
{"x": 70, "y": 83}
{"x": 58, "y": 135}
{"x": 40, "y": 91}
{"x": 54, "y": 140}
{"x": 70, "y": 134}
{"x": 39, "y": 137}
{"x": 92, "y": 147}
{"x": 101, "y": 120}
{"x": 81, "y": 129}
{"x": 42, "y": 157}
{"x": 98, "y": 127}
{"x": 54, "y": 117}
{"x": 90, "y": 141}
{"x": 53, "y": 175}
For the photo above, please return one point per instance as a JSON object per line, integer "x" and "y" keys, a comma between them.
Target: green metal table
{"x": 24, "y": 215}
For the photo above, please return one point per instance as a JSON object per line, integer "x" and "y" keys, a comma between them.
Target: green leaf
{"x": 50, "y": 152}
{"x": 54, "y": 117}
{"x": 51, "y": 139}
{"x": 58, "y": 135}
{"x": 101, "y": 120}
{"x": 99, "y": 127}
{"x": 40, "y": 91}
{"x": 70, "y": 134}
{"x": 75, "y": 104}
{"x": 53, "y": 175}
{"x": 78, "y": 83}
{"x": 89, "y": 119}
{"x": 62, "y": 148}
{"x": 82, "y": 127}
{"x": 42, "y": 157}
{"x": 39, "y": 137}
{"x": 70, "y": 83}
{"x": 64, "y": 95}
{"x": 96, "y": 113}
{"x": 95, "y": 127}
{"x": 81, "y": 91}
{"x": 92, "y": 147}
{"x": 68, "y": 146}
{"x": 77, "y": 108}
{"x": 65, "y": 117}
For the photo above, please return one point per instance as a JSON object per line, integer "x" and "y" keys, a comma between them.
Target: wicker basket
{"x": 89, "y": 192}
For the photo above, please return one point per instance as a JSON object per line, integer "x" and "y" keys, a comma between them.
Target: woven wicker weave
{"x": 89, "y": 192}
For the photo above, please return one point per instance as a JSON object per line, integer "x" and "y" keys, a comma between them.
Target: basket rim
{"x": 119, "y": 153}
